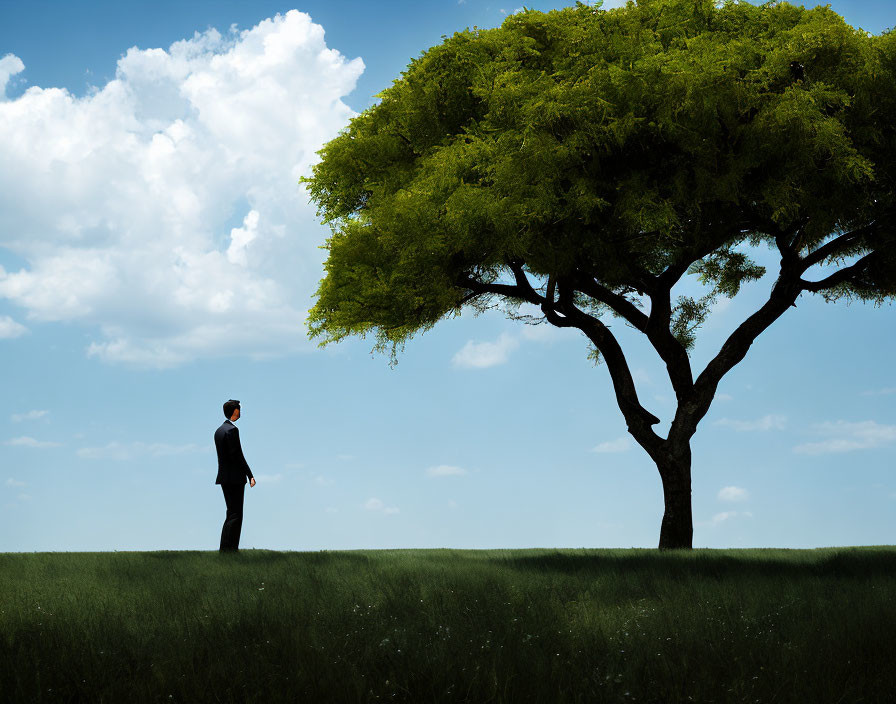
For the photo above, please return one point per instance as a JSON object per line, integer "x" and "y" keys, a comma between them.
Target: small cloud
{"x": 640, "y": 376}
{"x": 374, "y": 504}
{"x": 726, "y": 515}
{"x": 26, "y": 441}
{"x": 769, "y": 422}
{"x": 540, "y": 332}
{"x": 119, "y": 451}
{"x": 111, "y": 451}
{"x": 331, "y": 509}
{"x": 321, "y": 480}
{"x": 345, "y": 458}
{"x": 452, "y": 504}
{"x": 10, "y": 329}
{"x": 620, "y": 444}
{"x": 445, "y": 470}
{"x": 842, "y": 436}
{"x": 478, "y": 355}
{"x": 14, "y": 482}
{"x": 880, "y": 392}
{"x": 25, "y": 497}
{"x": 733, "y": 493}
{"x": 30, "y": 415}
{"x": 268, "y": 478}
{"x": 724, "y": 397}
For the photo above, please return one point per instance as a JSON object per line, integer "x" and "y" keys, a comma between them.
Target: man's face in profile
{"x": 236, "y": 414}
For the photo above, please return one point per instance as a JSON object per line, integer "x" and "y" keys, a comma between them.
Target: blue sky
{"x": 157, "y": 259}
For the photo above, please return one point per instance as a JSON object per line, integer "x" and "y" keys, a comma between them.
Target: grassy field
{"x": 450, "y": 626}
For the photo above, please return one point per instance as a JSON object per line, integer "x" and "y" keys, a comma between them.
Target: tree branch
{"x": 638, "y": 419}
{"x": 830, "y": 248}
{"x": 840, "y": 276}
{"x": 565, "y": 314}
{"x": 785, "y": 291}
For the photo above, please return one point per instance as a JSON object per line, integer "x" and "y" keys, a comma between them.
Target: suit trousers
{"x": 233, "y": 523}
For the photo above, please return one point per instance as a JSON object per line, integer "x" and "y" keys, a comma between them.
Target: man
{"x": 232, "y": 472}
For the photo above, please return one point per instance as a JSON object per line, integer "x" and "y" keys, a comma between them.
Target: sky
{"x": 157, "y": 258}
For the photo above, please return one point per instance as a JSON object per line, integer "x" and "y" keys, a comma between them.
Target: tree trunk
{"x": 677, "y": 530}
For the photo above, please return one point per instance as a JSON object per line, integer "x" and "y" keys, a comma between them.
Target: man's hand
{"x": 252, "y": 481}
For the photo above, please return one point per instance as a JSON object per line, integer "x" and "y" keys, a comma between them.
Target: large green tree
{"x": 584, "y": 161}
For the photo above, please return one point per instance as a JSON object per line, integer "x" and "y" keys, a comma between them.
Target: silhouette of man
{"x": 232, "y": 472}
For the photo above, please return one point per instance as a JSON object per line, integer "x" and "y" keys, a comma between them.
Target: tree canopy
{"x": 609, "y": 149}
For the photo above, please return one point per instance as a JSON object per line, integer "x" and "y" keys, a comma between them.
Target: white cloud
{"x": 620, "y": 444}
{"x": 321, "y": 480}
{"x": 268, "y": 478}
{"x": 880, "y": 392}
{"x": 445, "y": 470}
{"x": 477, "y": 355}
{"x": 374, "y": 504}
{"x": 726, "y": 515}
{"x": 24, "y": 497}
{"x": 121, "y": 201}
{"x": 768, "y": 422}
{"x": 724, "y": 397}
{"x": 10, "y": 65}
{"x": 733, "y": 493}
{"x": 119, "y": 451}
{"x": 640, "y": 376}
{"x": 842, "y": 436}
{"x": 26, "y": 441}
{"x": 540, "y": 332}
{"x": 10, "y": 328}
{"x": 30, "y": 415}
{"x": 14, "y": 482}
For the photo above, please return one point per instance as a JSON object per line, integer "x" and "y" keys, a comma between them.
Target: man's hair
{"x": 230, "y": 406}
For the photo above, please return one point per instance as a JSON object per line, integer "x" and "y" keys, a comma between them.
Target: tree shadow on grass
{"x": 846, "y": 562}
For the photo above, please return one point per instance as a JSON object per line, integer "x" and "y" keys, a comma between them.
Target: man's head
{"x": 232, "y": 409}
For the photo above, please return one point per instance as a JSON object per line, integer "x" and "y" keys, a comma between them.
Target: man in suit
{"x": 232, "y": 472}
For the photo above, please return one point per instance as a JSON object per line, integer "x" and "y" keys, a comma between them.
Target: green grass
{"x": 450, "y": 626}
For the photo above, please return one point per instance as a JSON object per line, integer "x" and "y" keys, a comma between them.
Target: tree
{"x": 584, "y": 161}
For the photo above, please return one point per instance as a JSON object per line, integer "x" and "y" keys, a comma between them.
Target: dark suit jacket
{"x": 232, "y": 466}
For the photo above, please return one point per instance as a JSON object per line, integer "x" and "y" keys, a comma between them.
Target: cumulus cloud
{"x": 30, "y": 415}
{"x": 843, "y": 436}
{"x": 162, "y": 210}
{"x": 10, "y": 328}
{"x": 14, "y": 482}
{"x": 445, "y": 470}
{"x": 620, "y": 444}
{"x": 477, "y": 355}
{"x": 126, "y": 451}
{"x": 768, "y": 422}
{"x": 733, "y": 493}
{"x": 26, "y": 441}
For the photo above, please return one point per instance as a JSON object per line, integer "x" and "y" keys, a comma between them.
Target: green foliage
{"x": 503, "y": 626}
{"x": 609, "y": 143}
